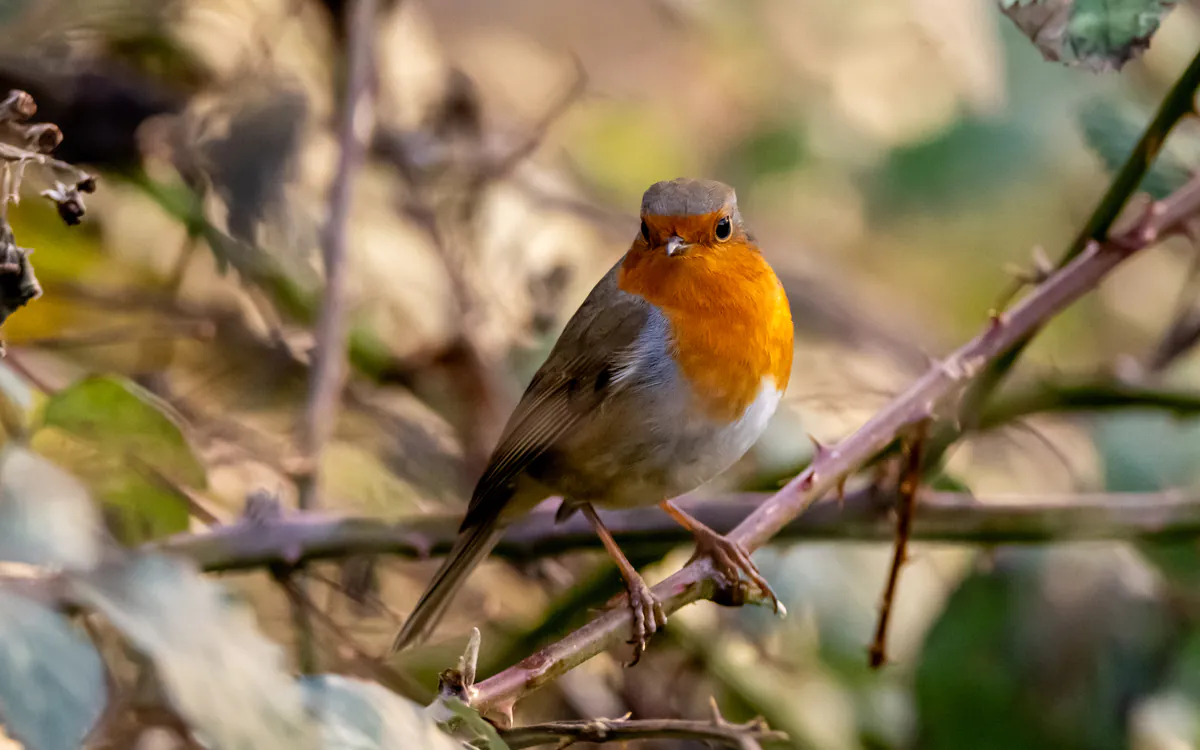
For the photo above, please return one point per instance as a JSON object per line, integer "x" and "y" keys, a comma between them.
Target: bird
{"x": 663, "y": 378}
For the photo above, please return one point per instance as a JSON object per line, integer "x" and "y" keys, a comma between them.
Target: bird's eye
{"x": 645, "y": 231}
{"x": 724, "y": 229}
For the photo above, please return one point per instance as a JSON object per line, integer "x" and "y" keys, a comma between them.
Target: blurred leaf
{"x": 127, "y": 418}
{"x": 465, "y": 722}
{"x": 1145, "y": 452}
{"x": 127, "y": 446}
{"x": 219, "y": 672}
{"x": 943, "y": 482}
{"x": 1047, "y": 650}
{"x": 773, "y": 148}
{"x": 46, "y": 516}
{"x": 250, "y": 163}
{"x": 625, "y": 147}
{"x": 954, "y": 169}
{"x": 138, "y": 506}
{"x": 358, "y": 715}
{"x": 52, "y": 687}
{"x": 1112, "y": 129}
{"x": 1099, "y": 35}
{"x": 968, "y": 645}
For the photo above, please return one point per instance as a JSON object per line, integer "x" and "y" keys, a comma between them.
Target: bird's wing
{"x": 590, "y": 361}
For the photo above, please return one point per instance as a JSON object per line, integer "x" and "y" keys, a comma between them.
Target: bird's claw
{"x": 648, "y": 617}
{"x": 732, "y": 562}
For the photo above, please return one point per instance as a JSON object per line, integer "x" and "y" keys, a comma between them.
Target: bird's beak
{"x": 675, "y": 244}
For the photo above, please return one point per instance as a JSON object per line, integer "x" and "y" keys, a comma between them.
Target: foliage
{"x": 52, "y": 687}
{"x": 1038, "y": 649}
{"x": 1096, "y": 34}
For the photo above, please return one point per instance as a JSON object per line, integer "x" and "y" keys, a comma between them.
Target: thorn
{"x": 807, "y": 482}
{"x": 470, "y": 659}
{"x": 717, "y": 719}
{"x": 819, "y": 450}
{"x": 504, "y": 713}
{"x": 1041, "y": 262}
{"x": 1042, "y": 268}
{"x": 996, "y": 320}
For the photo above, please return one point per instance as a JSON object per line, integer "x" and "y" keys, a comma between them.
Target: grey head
{"x": 687, "y": 197}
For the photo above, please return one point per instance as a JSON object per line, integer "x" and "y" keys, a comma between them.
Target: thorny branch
{"x": 292, "y": 539}
{"x": 458, "y": 684}
{"x": 906, "y": 508}
{"x": 1179, "y": 103}
{"x": 718, "y": 732}
{"x": 944, "y": 379}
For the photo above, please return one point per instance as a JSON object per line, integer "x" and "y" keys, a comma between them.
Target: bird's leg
{"x": 648, "y": 614}
{"x": 728, "y": 557}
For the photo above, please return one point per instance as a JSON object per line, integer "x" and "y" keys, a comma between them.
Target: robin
{"x": 663, "y": 378}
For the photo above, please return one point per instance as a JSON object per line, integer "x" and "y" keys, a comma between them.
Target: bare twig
{"x": 394, "y": 679}
{"x": 910, "y": 479}
{"x": 945, "y": 378}
{"x": 328, "y": 372}
{"x": 329, "y": 356}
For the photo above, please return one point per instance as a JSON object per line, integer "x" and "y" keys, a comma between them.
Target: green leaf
{"x": 465, "y": 722}
{"x": 1147, "y": 452}
{"x": 129, "y": 448}
{"x": 52, "y": 688}
{"x": 1048, "y": 650}
{"x": 46, "y": 516}
{"x": 358, "y": 715}
{"x": 1112, "y": 129}
{"x": 219, "y": 672}
{"x": 1098, "y": 35}
{"x": 125, "y": 418}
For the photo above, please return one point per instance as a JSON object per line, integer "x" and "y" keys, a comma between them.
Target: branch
{"x": 1093, "y": 394}
{"x": 943, "y": 380}
{"x": 329, "y": 357}
{"x": 295, "y": 539}
{"x": 910, "y": 480}
{"x": 623, "y": 730}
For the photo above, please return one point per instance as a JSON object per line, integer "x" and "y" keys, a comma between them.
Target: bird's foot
{"x": 648, "y": 616}
{"x": 732, "y": 562}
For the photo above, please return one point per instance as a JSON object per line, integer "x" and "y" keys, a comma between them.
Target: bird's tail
{"x": 471, "y": 547}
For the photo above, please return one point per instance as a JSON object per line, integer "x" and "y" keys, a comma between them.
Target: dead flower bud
{"x": 87, "y": 184}
{"x": 43, "y": 137}
{"x": 17, "y": 106}
{"x": 68, "y": 201}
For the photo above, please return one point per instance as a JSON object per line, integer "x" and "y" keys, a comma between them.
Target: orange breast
{"x": 729, "y": 319}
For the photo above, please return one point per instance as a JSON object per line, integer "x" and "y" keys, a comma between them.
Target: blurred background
{"x": 894, "y": 158}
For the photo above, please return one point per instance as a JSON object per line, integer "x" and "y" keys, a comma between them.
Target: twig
{"x": 948, "y": 517}
{"x": 329, "y": 365}
{"x": 910, "y": 479}
{"x": 329, "y": 356}
{"x": 597, "y": 731}
{"x": 394, "y": 679}
{"x": 694, "y": 582}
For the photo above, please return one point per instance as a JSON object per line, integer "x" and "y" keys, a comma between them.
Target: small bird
{"x": 664, "y": 377}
